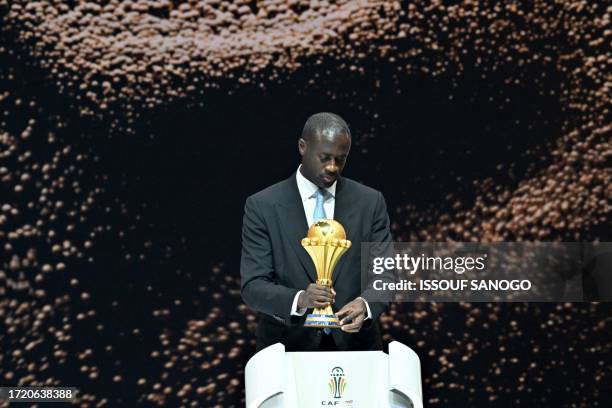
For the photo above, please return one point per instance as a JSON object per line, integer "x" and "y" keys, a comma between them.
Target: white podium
{"x": 349, "y": 379}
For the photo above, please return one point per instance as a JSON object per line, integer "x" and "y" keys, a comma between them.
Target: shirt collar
{"x": 308, "y": 189}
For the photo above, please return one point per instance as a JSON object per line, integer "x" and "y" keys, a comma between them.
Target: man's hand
{"x": 316, "y": 296}
{"x": 352, "y": 314}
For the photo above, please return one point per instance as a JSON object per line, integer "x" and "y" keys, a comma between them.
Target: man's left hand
{"x": 352, "y": 316}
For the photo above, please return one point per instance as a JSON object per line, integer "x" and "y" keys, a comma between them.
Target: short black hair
{"x": 321, "y": 121}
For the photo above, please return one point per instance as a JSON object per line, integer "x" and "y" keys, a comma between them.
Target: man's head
{"x": 324, "y": 146}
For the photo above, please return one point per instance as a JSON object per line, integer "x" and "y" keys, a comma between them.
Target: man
{"x": 277, "y": 275}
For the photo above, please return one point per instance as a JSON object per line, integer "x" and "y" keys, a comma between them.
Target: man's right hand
{"x": 316, "y": 296}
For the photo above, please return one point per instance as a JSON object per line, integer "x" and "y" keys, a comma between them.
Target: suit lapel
{"x": 294, "y": 225}
{"x": 345, "y": 212}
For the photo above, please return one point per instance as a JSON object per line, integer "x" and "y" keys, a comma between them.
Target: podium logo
{"x": 337, "y": 382}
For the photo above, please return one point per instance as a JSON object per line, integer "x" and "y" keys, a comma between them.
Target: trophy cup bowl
{"x": 326, "y": 243}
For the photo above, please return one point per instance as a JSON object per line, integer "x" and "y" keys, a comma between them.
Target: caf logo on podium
{"x": 337, "y": 382}
{"x": 337, "y": 386}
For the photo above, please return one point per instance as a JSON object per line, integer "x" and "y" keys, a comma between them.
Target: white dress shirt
{"x": 308, "y": 193}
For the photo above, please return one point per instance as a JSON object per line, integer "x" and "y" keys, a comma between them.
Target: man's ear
{"x": 302, "y": 146}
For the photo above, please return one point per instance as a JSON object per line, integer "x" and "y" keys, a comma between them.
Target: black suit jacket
{"x": 274, "y": 265}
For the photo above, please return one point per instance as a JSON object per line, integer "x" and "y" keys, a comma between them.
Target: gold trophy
{"x": 326, "y": 243}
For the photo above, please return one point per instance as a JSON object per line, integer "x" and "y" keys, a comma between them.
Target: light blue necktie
{"x": 319, "y": 214}
{"x": 319, "y": 211}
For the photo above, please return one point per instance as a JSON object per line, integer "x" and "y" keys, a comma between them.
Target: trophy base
{"x": 329, "y": 321}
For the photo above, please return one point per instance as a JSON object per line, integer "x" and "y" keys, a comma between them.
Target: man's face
{"x": 324, "y": 157}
